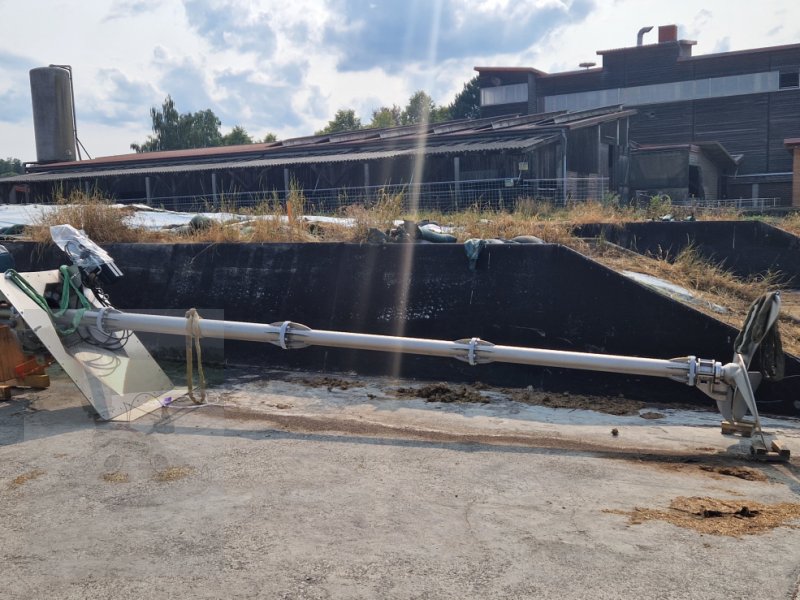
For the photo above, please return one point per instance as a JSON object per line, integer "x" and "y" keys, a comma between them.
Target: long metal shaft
{"x": 474, "y": 351}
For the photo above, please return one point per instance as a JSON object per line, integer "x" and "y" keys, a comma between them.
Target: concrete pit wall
{"x": 529, "y": 295}
{"x": 743, "y": 247}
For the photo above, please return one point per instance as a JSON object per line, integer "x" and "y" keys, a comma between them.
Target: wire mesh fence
{"x": 739, "y": 204}
{"x": 444, "y": 196}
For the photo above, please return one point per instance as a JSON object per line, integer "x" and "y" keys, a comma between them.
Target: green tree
{"x": 236, "y": 137}
{"x": 10, "y": 167}
{"x": 175, "y": 131}
{"x": 269, "y": 138}
{"x": 201, "y": 129}
{"x": 467, "y": 103}
{"x": 343, "y": 120}
{"x": 422, "y": 109}
{"x": 440, "y": 113}
{"x": 418, "y": 109}
{"x": 386, "y": 117}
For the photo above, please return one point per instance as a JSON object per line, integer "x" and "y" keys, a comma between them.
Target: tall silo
{"x": 53, "y": 114}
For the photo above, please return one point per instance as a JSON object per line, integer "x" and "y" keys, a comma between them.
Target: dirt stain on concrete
{"x": 20, "y": 480}
{"x": 713, "y": 516}
{"x": 116, "y": 477}
{"x": 173, "y": 474}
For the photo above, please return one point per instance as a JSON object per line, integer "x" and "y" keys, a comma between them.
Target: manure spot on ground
{"x": 328, "y": 382}
{"x": 733, "y": 518}
{"x": 116, "y": 477}
{"x": 443, "y": 392}
{"x": 173, "y": 474}
{"x": 651, "y": 415}
{"x": 746, "y": 473}
{"x": 20, "y": 480}
{"x": 718, "y": 471}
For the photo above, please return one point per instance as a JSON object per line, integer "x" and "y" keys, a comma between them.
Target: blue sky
{"x": 286, "y": 67}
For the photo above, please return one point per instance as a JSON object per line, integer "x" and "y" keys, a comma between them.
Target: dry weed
{"x": 733, "y": 518}
{"x": 790, "y": 223}
{"x": 381, "y": 215}
{"x": 93, "y": 213}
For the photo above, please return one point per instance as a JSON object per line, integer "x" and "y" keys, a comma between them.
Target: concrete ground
{"x": 285, "y": 489}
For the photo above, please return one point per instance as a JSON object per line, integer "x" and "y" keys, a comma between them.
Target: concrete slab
{"x": 273, "y": 492}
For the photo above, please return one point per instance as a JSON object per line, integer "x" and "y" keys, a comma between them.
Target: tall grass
{"x": 791, "y": 223}
{"x": 93, "y": 213}
{"x": 381, "y": 215}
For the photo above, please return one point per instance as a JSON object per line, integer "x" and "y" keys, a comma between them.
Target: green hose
{"x": 68, "y": 286}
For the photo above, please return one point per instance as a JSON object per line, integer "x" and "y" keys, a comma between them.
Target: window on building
{"x": 789, "y": 79}
{"x": 697, "y": 89}
{"x": 504, "y": 94}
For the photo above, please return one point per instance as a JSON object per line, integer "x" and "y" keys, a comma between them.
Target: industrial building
{"x": 653, "y": 119}
{"x": 726, "y": 115}
{"x": 446, "y": 166}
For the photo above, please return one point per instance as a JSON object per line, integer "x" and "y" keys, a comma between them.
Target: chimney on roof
{"x": 667, "y": 33}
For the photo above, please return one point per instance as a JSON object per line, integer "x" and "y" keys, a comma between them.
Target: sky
{"x": 286, "y": 66}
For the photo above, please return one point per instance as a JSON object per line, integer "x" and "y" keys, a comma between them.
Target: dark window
{"x": 789, "y": 79}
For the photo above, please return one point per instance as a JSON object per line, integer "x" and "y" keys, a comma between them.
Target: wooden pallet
{"x": 742, "y": 428}
{"x": 36, "y": 382}
{"x": 777, "y": 452}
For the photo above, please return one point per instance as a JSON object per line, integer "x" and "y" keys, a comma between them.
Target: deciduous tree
{"x": 345, "y": 119}
{"x": 175, "y": 131}
{"x": 236, "y": 137}
{"x": 11, "y": 166}
{"x": 386, "y": 117}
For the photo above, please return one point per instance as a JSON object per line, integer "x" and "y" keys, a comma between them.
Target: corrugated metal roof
{"x": 325, "y": 145}
{"x": 516, "y": 143}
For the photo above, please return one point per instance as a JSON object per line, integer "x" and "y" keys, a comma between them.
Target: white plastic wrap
{"x": 82, "y": 251}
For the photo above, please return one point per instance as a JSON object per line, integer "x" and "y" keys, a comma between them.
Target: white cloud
{"x": 286, "y": 67}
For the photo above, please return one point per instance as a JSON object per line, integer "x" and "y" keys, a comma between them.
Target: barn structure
{"x": 745, "y": 103}
{"x": 558, "y": 155}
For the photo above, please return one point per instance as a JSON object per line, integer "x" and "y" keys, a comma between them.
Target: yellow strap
{"x": 193, "y": 333}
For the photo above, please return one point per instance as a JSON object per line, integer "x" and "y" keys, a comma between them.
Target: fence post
{"x": 457, "y": 179}
{"x": 147, "y": 191}
{"x": 214, "y": 188}
{"x": 366, "y": 183}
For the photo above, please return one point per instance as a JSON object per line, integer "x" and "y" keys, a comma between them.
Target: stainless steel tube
{"x": 113, "y": 320}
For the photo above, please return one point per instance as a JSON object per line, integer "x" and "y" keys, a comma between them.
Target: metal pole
{"x": 457, "y": 179}
{"x": 292, "y": 335}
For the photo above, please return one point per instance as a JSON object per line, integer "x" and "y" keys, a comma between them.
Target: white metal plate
{"x": 121, "y": 384}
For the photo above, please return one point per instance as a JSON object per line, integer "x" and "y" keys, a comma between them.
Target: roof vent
{"x": 640, "y": 35}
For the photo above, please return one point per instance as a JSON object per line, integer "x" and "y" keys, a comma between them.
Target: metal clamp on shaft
{"x": 286, "y": 335}
{"x": 282, "y": 334}
{"x": 101, "y": 319}
{"x": 475, "y": 354}
{"x": 471, "y": 354}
